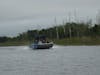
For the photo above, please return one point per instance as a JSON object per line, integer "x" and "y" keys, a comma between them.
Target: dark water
{"x": 60, "y": 60}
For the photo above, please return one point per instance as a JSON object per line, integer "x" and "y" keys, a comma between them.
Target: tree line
{"x": 67, "y": 30}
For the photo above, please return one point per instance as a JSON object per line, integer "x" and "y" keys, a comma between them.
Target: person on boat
{"x": 36, "y": 41}
{"x": 43, "y": 41}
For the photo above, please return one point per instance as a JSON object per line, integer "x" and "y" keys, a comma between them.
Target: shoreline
{"x": 54, "y": 45}
{"x": 86, "y": 41}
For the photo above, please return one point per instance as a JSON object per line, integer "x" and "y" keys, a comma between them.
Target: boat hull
{"x": 42, "y": 46}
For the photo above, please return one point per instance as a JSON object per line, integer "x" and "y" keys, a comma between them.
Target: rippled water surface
{"x": 60, "y": 60}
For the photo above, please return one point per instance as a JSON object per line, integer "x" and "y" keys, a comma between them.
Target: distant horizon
{"x": 39, "y": 26}
{"x": 39, "y": 29}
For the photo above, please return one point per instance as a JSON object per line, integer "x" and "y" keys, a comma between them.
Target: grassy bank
{"x": 78, "y": 41}
{"x": 66, "y": 41}
{"x": 17, "y": 43}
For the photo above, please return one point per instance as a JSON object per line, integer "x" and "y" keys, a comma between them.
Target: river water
{"x": 60, "y": 60}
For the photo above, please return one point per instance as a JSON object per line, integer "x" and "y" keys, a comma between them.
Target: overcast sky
{"x": 17, "y": 16}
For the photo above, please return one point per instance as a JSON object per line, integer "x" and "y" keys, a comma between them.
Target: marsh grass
{"x": 65, "y": 41}
{"x": 78, "y": 41}
{"x": 16, "y": 43}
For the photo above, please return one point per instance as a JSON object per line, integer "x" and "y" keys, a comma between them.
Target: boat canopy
{"x": 40, "y": 37}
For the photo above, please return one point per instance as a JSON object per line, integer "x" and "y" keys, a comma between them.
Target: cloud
{"x": 20, "y": 15}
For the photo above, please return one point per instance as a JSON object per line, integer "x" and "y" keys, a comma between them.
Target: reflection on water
{"x": 59, "y": 60}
